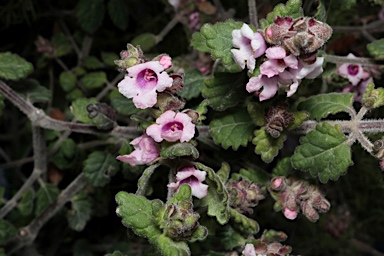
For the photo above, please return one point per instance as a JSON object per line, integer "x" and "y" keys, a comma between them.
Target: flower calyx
{"x": 278, "y": 118}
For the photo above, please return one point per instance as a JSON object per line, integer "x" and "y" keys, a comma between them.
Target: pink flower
{"x": 354, "y": 73}
{"x": 269, "y": 85}
{"x": 142, "y": 82}
{"x": 251, "y": 45}
{"x": 145, "y": 151}
{"x": 165, "y": 61}
{"x": 172, "y": 126}
{"x": 277, "y": 61}
{"x": 359, "y": 89}
{"x": 249, "y": 250}
{"x": 193, "y": 177}
{"x": 291, "y": 215}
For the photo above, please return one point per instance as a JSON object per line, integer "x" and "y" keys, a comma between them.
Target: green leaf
{"x": 243, "y": 223}
{"x": 230, "y": 238}
{"x": 13, "y": 67}
{"x": 255, "y": 175}
{"x": 225, "y": 90}
{"x": 25, "y": 205}
{"x": 67, "y": 80}
{"x": 232, "y": 129}
{"x": 91, "y": 62}
{"x": 256, "y": 111}
{"x": 7, "y": 230}
{"x": 122, "y": 104}
{"x": 93, "y": 80}
{"x": 283, "y": 167}
{"x": 168, "y": 247}
{"x": 183, "y": 194}
{"x": 118, "y": 12}
{"x": 144, "y": 179}
{"x": 74, "y": 95}
{"x": 99, "y": 167}
{"x": 291, "y": 8}
{"x": 66, "y": 155}
{"x": 109, "y": 58}
{"x": 373, "y": 98}
{"x": 322, "y": 10}
{"x": 376, "y": 49}
{"x": 224, "y": 171}
{"x": 217, "y": 197}
{"x": 180, "y": 150}
{"x": 320, "y": 106}
{"x": 300, "y": 117}
{"x": 32, "y": 90}
{"x": 202, "y": 109}
{"x": 199, "y": 42}
{"x": 80, "y": 212}
{"x": 90, "y": 14}
{"x": 62, "y": 44}
{"x": 193, "y": 84}
{"x": 79, "y": 109}
{"x": 146, "y": 41}
{"x": 267, "y": 146}
{"x": 219, "y": 39}
{"x": 45, "y": 196}
{"x": 323, "y": 152}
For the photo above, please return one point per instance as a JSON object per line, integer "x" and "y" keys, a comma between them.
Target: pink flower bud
{"x": 291, "y": 215}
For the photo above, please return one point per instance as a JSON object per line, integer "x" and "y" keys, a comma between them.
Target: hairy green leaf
{"x": 193, "y": 84}
{"x": 67, "y": 80}
{"x": 199, "y": 42}
{"x": 118, "y": 12}
{"x": 267, "y": 146}
{"x": 291, "y": 8}
{"x": 243, "y": 223}
{"x": 168, "y": 247}
{"x": 256, "y": 111}
{"x": 7, "y": 230}
{"x": 44, "y": 197}
{"x": 232, "y": 129}
{"x": 283, "y": 167}
{"x": 25, "y": 205}
{"x": 179, "y": 150}
{"x": 80, "y": 212}
{"x": 90, "y": 14}
{"x": 300, "y": 117}
{"x": 323, "y": 152}
{"x": 13, "y": 67}
{"x": 79, "y": 109}
{"x": 320, "y": 106}
{"x": 217, "y": 197}
{"x": 376, "y": 49}
{"x": 373, "y": 98}
{"x": 93, "y": 80}
{"x": 230, "y": 238}
{"x": 225, "y": 90}
{"x": 99, "y": 167}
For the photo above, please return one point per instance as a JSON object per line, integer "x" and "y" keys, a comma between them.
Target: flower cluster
{"x": 292, "y": 195}
{"x": 194, "y": 178}
{"x": 290, "y": 47}
{"x": 358, "y": 78}
{"x": 268, "y": 244}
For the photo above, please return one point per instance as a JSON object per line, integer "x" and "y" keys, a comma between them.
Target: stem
{"x": 167, "y": 28}
{"x": 343, "y": 59}
{"x": 171, "y": 178}
{"x": 252, "y": 10}
{"x": 365, "y": 247}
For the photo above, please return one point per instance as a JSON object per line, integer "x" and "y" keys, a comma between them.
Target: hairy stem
{"x": 252, "y": 10}
{"x": 167, "y": 28}
{"x": 343, "y": 59}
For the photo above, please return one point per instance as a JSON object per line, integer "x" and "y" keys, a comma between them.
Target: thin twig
{"x": 365, "y": 247}
{"x": 168, "y": 28}
{"x": 342, "y": 59}
{"x": 252, "y": 10}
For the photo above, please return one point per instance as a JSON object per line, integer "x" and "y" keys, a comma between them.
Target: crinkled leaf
{"x": 233, "y": 129}
{"x": 218, "y": 39}
{"x": 291, "y": 8}
{"x": 256, "y": 111}
{"x": 230, "y": 238}
{"x": 90, "y": 14}
{"x": 193, "y": 84}
{"x": 224, "y": 171}
{"x": 225, "y": 90}
{"x": 118, "y": 12}
{"x": 267, "y": 146}
{"x": 67, "y": 80}
{"x": 217, "y": 197}
{"x": 61, "y": 44}
{"x": 79, "y": 109}
{"x": 25, "y": 205}
{"x": 109, "y": 58}
{"x": 91, "y": 62}
{"x": 323, "y": 152}
{"x": 66, "y": 155}
{"x": 199, "y": 42}
{"x": 299, "y": 118}
{"x": 93, "y": 80}
{"x": 146, "y": 41}
{"x": 376, "y": 49}
{"x": 99, "y": 167}
{"x": 373, "y": 98}
{"x": 320, "y": 106}
{"x": 184, "y": 193}
{"x": 243, "y": 223}
{"x": 168, "y": 247}
{"x": 283, "y": 167}
{"x": 179, "y": 150}
{"x": 202, "y": 109}
{"x": 45, "y": 196}
{"x": 122, "y": 104}
{"x": 80, "y": 212}
{"x": 7, "y": 230}
{"x": 13, "y": 67}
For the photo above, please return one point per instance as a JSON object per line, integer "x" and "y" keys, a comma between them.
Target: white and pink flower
{"x": 194, "y": 178}
{"x": 145, "y": 151}
{"x": 249, "y": 250}
{"x": 277, "y": 61}
{"x": 172, "y": 126}
{"x": 251, "y": 46}
{"x": 354, "y": 73}
{"x": 143, "y": 81}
